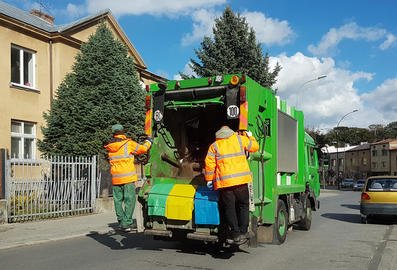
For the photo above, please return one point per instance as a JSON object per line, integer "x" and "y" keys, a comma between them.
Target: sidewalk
{"x": 29, "y": 233}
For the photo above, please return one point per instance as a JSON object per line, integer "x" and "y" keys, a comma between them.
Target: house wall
{"x": 63, "y": 58}
{"x": 28, "y": 105}
{"x": 393, "y": 162}
{"x": 20, "y": 103}
{"x": 358, "y": 163}
{"x": 84, "y": 34}
{"x": 380, "y": 163}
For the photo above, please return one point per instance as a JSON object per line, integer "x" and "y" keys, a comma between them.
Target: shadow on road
{"x": 383, "y": 220}
{"x": 351, "y": 206}
{"x": 118, "y": 241}
{"x": 351, "y": 218}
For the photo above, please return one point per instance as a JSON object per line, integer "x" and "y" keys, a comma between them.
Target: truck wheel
{"x": 306, "y": 220}
{"x": 281, "y": 224}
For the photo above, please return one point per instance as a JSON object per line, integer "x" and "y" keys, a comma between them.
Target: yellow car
{"x": 379, "y": 197}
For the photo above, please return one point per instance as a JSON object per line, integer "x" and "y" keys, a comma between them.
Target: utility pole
{"x": 337, "y": 146}
{"x": 303, "y": 84}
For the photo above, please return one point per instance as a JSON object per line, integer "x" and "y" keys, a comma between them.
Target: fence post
{"x": 2, "y": 173}
{"x": 72, "y": 181}
{"x": 93, "y": 181}
{"x": 3, "y": 201}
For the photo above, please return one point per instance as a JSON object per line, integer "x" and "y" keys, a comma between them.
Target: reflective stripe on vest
{"x": 123, "y": 174}
{"x": 125, "y": 155}
{"x": 232, "y": 176}
{"x": 136, "y": 148}
{"x": 238, "y": 154}
{"x": 249, "y": 146}
{"x": 211, "y": 154}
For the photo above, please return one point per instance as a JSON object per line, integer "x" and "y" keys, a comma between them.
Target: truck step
{"x": 202, "y": 237}
{"x": 165, "y": 233}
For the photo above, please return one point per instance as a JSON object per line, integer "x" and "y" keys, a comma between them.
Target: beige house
{"x": 383, "y": 157}
{"x": 393, "y": 160}
{"x": 358, "y": 162}
{"x": 35, "y": 57}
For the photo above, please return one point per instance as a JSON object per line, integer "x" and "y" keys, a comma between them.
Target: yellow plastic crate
{"x": 180, "y": 202}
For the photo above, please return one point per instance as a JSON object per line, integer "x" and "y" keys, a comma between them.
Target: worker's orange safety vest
{"x": 226, "y": 164}
{"x": 121, "y": 158}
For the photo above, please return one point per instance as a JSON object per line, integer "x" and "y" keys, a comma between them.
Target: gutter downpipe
{"x": 51, "y": 76}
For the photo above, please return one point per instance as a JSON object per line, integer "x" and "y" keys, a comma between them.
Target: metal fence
{"x": 51, "y": 187}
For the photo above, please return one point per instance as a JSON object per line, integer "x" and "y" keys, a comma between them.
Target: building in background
{"x": 335, "y": 156}
{"x": 358, "y": 162}
{"x": 393, "y": 160}
{"x": 36, "y": 55}
{"x": 383, "y": 157}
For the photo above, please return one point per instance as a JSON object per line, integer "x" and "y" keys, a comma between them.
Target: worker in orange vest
{"x": 227, "y": 170}
{"x": 121, "y": 151}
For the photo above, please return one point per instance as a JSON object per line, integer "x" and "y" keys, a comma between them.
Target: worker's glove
{"x": 150, "y": 140}
{"x": 210, "y": 186}
{"x": 248, "y": 133}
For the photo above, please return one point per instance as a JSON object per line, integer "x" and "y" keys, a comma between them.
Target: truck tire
{"x": 281, "y": 225}
{"x": 306, "y": 220}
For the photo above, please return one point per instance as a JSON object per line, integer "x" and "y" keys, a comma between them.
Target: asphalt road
{"x": 337, "y": 240}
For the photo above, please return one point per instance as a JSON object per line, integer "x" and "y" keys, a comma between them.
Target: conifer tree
{"x": 102, "y": 89}
{"x": 233, "y": 49}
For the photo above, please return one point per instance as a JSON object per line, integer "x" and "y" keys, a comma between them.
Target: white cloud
{"x": 334, "y": 36}
{"x": 153, "y": 7}
{"x": 390, "y": 40}
{"x": 383, "y": 99}
{"x": 269, "y": 31}
{"x": 325, "y": 101}
{"x": 187, "y": 70}
{"x": 203, "y": 21}
{"x": 75, "y": 11}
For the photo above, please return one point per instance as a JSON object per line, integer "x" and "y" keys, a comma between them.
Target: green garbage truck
{"x": 182, "y": 118}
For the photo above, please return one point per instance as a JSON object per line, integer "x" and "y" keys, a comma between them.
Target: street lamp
{"x": 323, "y": 165}
{"x": 303, "y": 84}
{"x": 337, "y": 144}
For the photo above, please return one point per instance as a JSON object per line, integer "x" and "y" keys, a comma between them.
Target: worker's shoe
{"x": 236, "y": 240}
{"x": 230, "y": 241}
{"x": 128, "y": 229}
{"x": 239, "y": 239}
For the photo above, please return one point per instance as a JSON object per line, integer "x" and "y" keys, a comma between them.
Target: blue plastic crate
{"x": 206, "y": 210}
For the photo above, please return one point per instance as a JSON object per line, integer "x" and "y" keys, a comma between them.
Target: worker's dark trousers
{"x": 235, "y": 206}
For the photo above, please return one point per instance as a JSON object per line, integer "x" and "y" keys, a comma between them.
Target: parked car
{"x": 359, "y": 185}
{"x": 379, "y": 197}
{"x": 347, "y": 183}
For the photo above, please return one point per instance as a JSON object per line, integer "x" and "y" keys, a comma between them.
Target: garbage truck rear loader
{"x": 182, "y": 117}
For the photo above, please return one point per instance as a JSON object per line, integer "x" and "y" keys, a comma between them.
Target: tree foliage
{"x": 342, "y": 136}
{"x": 101, "y": 90}
{"x": 233, "y": 49}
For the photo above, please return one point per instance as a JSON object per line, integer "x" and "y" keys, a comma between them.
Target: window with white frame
{"x": 22, "y": 67}
{"x": 23, "y": 140}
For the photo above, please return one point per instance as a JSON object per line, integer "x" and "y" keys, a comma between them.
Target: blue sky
{"x": 353, "y": 43}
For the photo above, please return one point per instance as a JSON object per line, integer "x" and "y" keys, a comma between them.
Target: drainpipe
{"x": 51, "y": 76}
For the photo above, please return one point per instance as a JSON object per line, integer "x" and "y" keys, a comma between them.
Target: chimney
{"x": 42, "y": 16}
